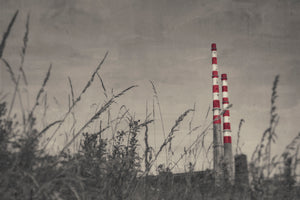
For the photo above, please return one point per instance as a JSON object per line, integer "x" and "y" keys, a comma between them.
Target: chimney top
{"x": 213, "y": 47}
{"x": 224, "y": 77}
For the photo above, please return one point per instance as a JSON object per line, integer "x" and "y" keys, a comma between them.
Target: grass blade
{"x": 6, "y": 33}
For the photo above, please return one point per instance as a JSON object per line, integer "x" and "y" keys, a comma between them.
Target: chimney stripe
{"x": 227, "y": 139}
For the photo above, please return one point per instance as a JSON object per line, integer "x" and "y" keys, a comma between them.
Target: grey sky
{"x": 167, "y": 41}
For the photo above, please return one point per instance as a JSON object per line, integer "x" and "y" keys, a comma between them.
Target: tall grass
{"x": 263, "y": 164}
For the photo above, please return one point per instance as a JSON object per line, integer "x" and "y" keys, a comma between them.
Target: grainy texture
{"x": 83, "y": 139}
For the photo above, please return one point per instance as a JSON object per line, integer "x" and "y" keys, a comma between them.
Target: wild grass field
{"x": 91, "y": 165}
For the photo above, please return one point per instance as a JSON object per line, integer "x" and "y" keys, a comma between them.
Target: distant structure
{"x": 228, "y": 165}
{"x": 241, "y": 171}
{"x": 217, "y": 133}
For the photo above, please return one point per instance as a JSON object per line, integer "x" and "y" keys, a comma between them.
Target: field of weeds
{"x": 91, "y": 166}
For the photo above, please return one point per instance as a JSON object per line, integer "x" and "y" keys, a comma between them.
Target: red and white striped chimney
{"x": 226, "y": 131}
{"x": 217, "y": 134}
{"x": 226, "y": 115}
{"x": 215, "y": 78}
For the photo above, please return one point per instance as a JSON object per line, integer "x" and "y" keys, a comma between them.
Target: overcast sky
{"x": 168, "y": 42}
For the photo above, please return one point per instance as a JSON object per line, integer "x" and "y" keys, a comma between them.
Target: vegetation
{"x": 116, "y": 168}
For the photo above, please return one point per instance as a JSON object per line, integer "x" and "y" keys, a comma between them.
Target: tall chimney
{"x": 217, "y": 135}
{"x": 228, "y": 165}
